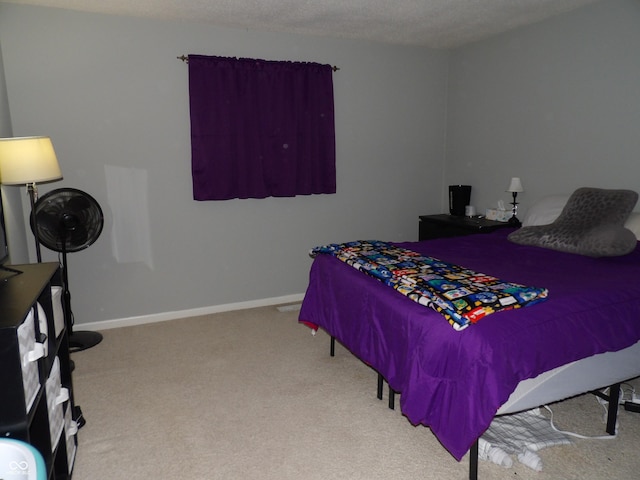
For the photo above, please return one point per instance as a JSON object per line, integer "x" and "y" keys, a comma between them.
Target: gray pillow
{"x": 591, "y": 223}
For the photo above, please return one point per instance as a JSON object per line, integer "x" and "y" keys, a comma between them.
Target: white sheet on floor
{"x": 520, "y": 434}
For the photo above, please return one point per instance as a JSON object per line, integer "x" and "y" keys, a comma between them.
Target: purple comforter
{"x": 454, "y": 382}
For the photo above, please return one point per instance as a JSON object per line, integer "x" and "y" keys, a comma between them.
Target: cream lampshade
{"x": 28, "y": 161}
{"x": 515, "y": 186}
{"x": 25, "y": 160}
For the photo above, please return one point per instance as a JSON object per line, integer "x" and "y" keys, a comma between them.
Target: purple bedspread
{"x": 454, "y": 382}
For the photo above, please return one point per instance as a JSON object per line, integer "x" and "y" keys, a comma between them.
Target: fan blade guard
{"x": 67, "y": 220}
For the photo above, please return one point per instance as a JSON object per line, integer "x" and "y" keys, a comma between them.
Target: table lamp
{"x": 28, "y": 161}
{"x": 515, "y": 187}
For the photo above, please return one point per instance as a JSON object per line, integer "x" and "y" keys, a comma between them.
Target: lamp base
{"x": 514, "y": 222}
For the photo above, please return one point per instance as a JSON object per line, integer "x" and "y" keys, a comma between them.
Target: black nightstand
{"x": 445, "y": 225}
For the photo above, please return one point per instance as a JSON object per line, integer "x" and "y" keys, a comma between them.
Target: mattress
{"x": 455, "y": 382}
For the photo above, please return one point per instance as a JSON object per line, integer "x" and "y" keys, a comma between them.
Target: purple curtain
{"x": 260, "y": 128}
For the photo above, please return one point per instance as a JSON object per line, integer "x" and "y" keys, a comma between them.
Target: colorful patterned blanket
{"x": 461, "y": 295}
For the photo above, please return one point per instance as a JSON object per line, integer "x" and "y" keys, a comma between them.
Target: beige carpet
{"x": 253, "y": 395}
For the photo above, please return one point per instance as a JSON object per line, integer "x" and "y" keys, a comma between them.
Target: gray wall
{"x": 113, "y": 97}
{"x": 14, "y": 220}
{"x": 556, "y": 103}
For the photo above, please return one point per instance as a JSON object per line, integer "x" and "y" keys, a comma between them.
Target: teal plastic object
{"x": 19, "y": 460}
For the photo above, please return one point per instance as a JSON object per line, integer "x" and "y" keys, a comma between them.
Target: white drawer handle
{"x": 72, "y": 428}
{"x": 45, "y": 345}
{"x": 36, "y": 354}
{"x": 63, "y": 396}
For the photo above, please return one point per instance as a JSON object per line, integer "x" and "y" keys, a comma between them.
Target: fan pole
{"x": 78, "y": 341}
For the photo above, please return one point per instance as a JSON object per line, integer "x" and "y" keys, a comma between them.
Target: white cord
{"x": 629, "y": 395}
{"x": 577, "y": 435}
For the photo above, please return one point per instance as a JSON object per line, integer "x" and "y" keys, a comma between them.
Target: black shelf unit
{"x": 36, "y": 399}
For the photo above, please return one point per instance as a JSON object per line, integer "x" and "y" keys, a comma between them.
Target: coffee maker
{"x": 459, "y": 197}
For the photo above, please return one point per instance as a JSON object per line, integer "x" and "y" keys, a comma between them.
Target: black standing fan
{"x": 69, "y": 220}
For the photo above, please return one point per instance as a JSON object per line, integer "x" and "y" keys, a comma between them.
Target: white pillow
{"x": 633, "y": 223}
{"x": 545, "y": 210}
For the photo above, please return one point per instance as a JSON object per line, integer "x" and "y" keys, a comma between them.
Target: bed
{"x": 584, "y": 336}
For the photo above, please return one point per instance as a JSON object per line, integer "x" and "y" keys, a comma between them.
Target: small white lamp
{"x": 515, "y": 187}
{"x": 28, "y": 161}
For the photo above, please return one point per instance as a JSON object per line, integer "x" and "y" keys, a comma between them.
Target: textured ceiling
{"x": 431, "y": 23}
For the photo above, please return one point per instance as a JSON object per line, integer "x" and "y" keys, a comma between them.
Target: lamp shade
{"x": 26, "y": 160}
{"x": 515, "y": 186}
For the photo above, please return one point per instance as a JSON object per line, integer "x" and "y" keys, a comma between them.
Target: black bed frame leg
{"x": 612, "y": 399}
{"x": 614, "y": 396}
{"x": 332, "y": 349}
{"x": 473, "y": 461}
{"x": 392, "y": 392}
{"x": 392, "y": 398}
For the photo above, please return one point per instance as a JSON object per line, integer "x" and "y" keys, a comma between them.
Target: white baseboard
{"x": 194, "y": 312}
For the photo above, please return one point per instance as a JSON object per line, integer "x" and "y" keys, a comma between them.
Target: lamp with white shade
{"x": 515, "y": 187}
{"x": 28, "y": 161}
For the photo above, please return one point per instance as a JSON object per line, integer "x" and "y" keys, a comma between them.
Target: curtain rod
{"x": 185, "y": 59}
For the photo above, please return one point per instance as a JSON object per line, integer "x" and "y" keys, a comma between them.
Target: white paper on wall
{"x": 127, "y": 198}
